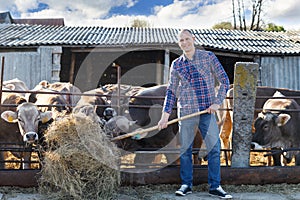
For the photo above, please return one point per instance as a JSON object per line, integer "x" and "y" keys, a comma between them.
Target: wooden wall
{"x": 33, "y": 66}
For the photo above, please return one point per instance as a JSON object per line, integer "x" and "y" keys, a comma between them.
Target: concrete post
{"x": 244, "y": 95}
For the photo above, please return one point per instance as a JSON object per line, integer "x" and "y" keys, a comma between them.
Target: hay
{"x": 81, "y": 162}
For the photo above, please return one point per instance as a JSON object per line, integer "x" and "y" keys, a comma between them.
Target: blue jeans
{"x": 208, "y": 127}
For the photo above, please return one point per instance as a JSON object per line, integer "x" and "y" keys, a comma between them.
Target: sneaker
{"x": 183, "y": 190}
{"x": 219, "y": 192}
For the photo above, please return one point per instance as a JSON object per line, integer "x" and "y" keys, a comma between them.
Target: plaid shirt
{"x": 193, "y": 83}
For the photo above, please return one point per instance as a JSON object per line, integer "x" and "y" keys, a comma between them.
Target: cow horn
{"x": 126, "y": 89}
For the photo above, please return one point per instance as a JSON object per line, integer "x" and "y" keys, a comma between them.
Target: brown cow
{"x": 227, "y": 115}
{"x": 10, "y": 136}
{"x": 15, "y": 85}
{"x": 93, "y": 98}
{"x": 50, "y": 102}
{"x": 23, "y": 126}
{"x": 72, "y": 93}
{"x": 101, "y": 102}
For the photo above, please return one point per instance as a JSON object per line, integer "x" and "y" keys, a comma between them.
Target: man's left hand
{"x": 213, "y": 108}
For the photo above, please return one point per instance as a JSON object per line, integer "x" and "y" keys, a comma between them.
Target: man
{"x": 193, "y": 77}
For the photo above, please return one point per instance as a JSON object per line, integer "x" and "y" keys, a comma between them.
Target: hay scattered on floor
{"x": 81, "y": 162}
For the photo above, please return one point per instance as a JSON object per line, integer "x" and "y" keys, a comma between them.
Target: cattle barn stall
{"x": 86, "y": 56}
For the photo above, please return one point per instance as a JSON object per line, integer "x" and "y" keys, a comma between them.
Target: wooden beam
{"x": 72, "y": 68}
{"x": 170, "y": 175}
{"x": 122, "y": 48}
{"x": 20, "y": 178}
{"x": 229, "y": 176}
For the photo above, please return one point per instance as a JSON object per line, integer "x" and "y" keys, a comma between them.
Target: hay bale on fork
{"x": 81, "y": 162}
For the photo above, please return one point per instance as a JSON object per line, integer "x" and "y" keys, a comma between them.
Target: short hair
{"x": 185, "y": 30}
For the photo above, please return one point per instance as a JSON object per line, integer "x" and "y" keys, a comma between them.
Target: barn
{"x": 88, "y": 56}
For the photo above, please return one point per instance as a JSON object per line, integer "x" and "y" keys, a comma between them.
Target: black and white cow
{"x": 277, "y": 126}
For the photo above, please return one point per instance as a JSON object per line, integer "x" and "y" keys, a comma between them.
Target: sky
{"x": 193, "y": 14}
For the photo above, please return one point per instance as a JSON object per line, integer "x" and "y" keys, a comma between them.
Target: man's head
{"x": 186, "y": 41}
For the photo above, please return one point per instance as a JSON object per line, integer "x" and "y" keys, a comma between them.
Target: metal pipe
{"x": 2, "y": 72}
{"x": 119, "y": 86}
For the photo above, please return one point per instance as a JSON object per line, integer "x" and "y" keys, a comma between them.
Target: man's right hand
{"x": 163, "y": 122}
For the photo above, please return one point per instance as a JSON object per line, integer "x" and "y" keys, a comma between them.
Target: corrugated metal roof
{"x": 253, "y": 42}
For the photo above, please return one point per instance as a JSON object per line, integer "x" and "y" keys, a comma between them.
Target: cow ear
{"x": 46, "y": 116}
{"x": 261, "y": 115}
{"x": 44, "y": 83}
{"x": 9, "y": 116}
{"x": 31, "y": 98}
{"x": 131, "y": 123}
{"x": 283, "y": 119}
{"x": 10, "y": 86}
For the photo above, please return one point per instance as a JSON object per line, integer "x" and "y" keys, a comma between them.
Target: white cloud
{"x": 17, "y": 5}
{"x": 284, "y": 13}
{"x": 182, "y": 14}
{"x": 91, "y": 9}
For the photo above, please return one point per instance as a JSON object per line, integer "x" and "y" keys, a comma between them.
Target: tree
{"x": 256, "y": 13}
{"x": 273, "y": 27}
{"x": 140, "y": 23}
{"x": 223, "y": 25}
{"x": 233, "y": 11}
{"x": 256, "y": 9}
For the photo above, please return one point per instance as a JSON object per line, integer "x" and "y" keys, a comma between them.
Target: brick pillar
{"x": 244, "y": 95}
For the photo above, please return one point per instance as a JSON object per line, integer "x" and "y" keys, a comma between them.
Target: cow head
{"x": 117, "y": 125}
{"x": 28, "y": 118}
{"x": 109, "y": 113}
{"x": 268, "y": 130}
{"x": 87, "y": 110}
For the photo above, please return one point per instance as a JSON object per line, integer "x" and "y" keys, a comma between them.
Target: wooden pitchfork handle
{"x": 156, "y": 127}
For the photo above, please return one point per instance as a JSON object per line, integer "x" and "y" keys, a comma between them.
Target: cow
{"x": 145, "y": 108}
{"x": 277, "y": 126}
{"x": 9, "y": 133}
{"x": 93, "y": 98}
{"x": 263, "y": 93}
{"x": 70, "y": 92}
{"x": 119, "y": 100}
{"x": 101, "y": 103}
{"x": 117, "y": 125}
{"x": 131, "y": 116}
{"x": 19, "y": 128}
{"x": 15, "y": 85}
{"x": 47, "y": 100}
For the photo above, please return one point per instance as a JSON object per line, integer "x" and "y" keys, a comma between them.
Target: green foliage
{"x": 273, "y": 27}
{"x": 223, "y": 25}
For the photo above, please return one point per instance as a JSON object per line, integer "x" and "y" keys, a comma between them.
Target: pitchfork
{"x": 141, "y": 131}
